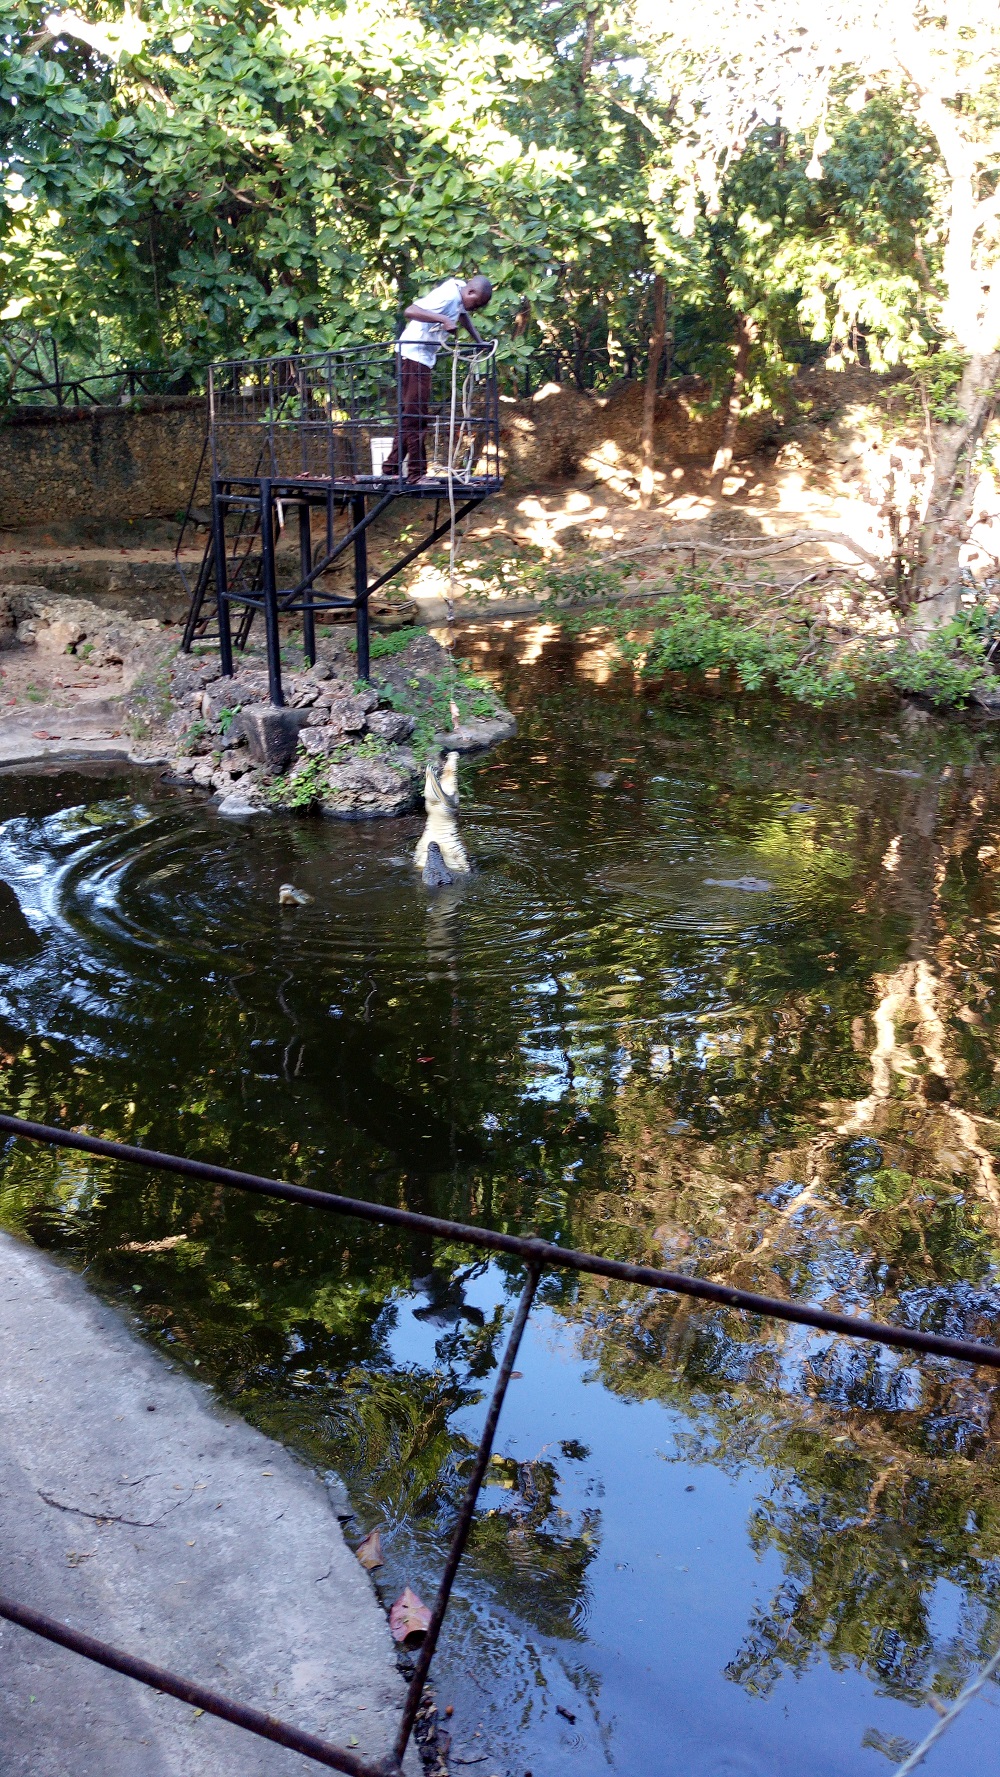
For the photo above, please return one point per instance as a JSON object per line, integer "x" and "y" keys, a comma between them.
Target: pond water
{"x": 722, "y": 994}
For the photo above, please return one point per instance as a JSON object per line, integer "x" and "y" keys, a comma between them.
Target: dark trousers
{"x": 415, "y": 396}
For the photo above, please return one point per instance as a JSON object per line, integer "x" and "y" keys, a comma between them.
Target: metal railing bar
{"x": 961, "y": 1702}
{"x": 188, "y": 1690}
{"x": 338, "y": 550}
{"x": 439, "y": 530}
{"x": 323, "y": 601}
{"x": 463, "y": 1525}
{"x": 525, "y": 1247}
{"x": 359, "y": 349}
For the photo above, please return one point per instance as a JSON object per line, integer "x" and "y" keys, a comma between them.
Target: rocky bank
{"x": 339, "y": 746}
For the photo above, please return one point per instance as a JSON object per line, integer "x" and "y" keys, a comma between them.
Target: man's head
{"x": 477, "y": 292}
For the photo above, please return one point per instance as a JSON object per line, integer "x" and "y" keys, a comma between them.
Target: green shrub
{"x": 304, "y": 787}
{"x": 950, "y": 666}
{"x": 770, "y": 643}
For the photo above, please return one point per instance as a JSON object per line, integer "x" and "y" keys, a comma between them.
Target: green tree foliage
{"x": 246, "y": 173}
{"x": 208, "y": 179}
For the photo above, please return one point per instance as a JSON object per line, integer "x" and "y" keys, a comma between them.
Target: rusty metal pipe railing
{"x": 463, "y": 1525}
{"x": 242, "y": 1715}
{"x": 545, "y": 1253}
{"x": 538, "y": 1256}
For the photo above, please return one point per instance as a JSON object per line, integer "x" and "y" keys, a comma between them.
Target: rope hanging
{"x": 452, "y": 541}
{"x": 453, "y": 537}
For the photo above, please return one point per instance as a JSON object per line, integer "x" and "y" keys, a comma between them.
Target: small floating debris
{"x": 751, "y": 885}
{"x": 290, "y": 896}
{"x": 604, "y": 779}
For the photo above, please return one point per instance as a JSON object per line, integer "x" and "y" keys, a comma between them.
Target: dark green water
{"x": 723, "y": 1547}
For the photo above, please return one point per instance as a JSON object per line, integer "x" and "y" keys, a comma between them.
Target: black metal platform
{"x": 313, "y": 432}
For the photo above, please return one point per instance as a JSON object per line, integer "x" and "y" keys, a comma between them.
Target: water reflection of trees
{"x": 836, "y": 1143}
{"x": 883, "y": 1201}
{"x": 797, "y": 1098}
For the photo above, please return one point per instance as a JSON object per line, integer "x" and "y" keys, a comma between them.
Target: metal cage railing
{"x": 333, "y": 416}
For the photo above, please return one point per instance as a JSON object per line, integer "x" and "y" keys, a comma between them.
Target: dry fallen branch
{"x": 750, "y": 551}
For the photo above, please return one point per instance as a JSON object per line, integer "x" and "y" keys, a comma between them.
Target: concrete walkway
{"x": 133, "y": 1508}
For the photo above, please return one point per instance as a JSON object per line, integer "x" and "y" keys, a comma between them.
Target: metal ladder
{"x": 244, "y": 567}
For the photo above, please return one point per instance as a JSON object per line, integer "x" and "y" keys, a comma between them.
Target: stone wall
{"x": 100, "y": 464}
{"x": 121, "y": 465}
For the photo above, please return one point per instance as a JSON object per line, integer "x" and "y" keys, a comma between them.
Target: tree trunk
{"x": 937, "y": 582}
{"x": 587, "y": 60}
{"x": 656, "y": 343}
{"x": 972, "y": 313}
{"x": 746, "y": 337}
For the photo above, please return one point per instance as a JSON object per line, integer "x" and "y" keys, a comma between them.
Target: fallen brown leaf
{"x": 409, "y": 1617}
{"x": 369, "y": 1552}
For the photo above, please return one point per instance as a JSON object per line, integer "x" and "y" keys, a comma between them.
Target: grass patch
{"x": 519, "y": 576}
{"x": 382, "y": 645}
{"x": 308, "y": 783}
{"x": 303, "y": 787}
{"x": 192, "y": 735}
{"x": 429, "y": 699}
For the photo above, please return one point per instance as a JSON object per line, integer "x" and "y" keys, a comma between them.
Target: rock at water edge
{"x": 272, "y": 734}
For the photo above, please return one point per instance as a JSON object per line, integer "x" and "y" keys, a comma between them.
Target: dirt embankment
{"x": 838, "y": 477}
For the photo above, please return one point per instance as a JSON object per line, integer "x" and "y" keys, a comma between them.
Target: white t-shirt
{"x": 422, "y": 340}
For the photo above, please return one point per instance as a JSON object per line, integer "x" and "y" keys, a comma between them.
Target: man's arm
{"x": 467, "y": 321}
{"x": 416, "y": 312}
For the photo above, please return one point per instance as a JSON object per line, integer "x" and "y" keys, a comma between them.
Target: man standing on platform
{"x": 427, "y": 324}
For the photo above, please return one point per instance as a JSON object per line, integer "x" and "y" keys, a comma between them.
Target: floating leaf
{"x": 409, "y": 1618}
{"x": 369, "y": 1552}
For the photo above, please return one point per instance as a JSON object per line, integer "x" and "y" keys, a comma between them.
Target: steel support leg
{"x": 361, "y": 584}
{"x": 221, "y": 588}
{"x": 269, "y": 591}
{"x": 305, "y": 563}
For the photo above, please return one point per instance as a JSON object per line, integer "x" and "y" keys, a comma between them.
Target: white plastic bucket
{"x": 380, "y": 450}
